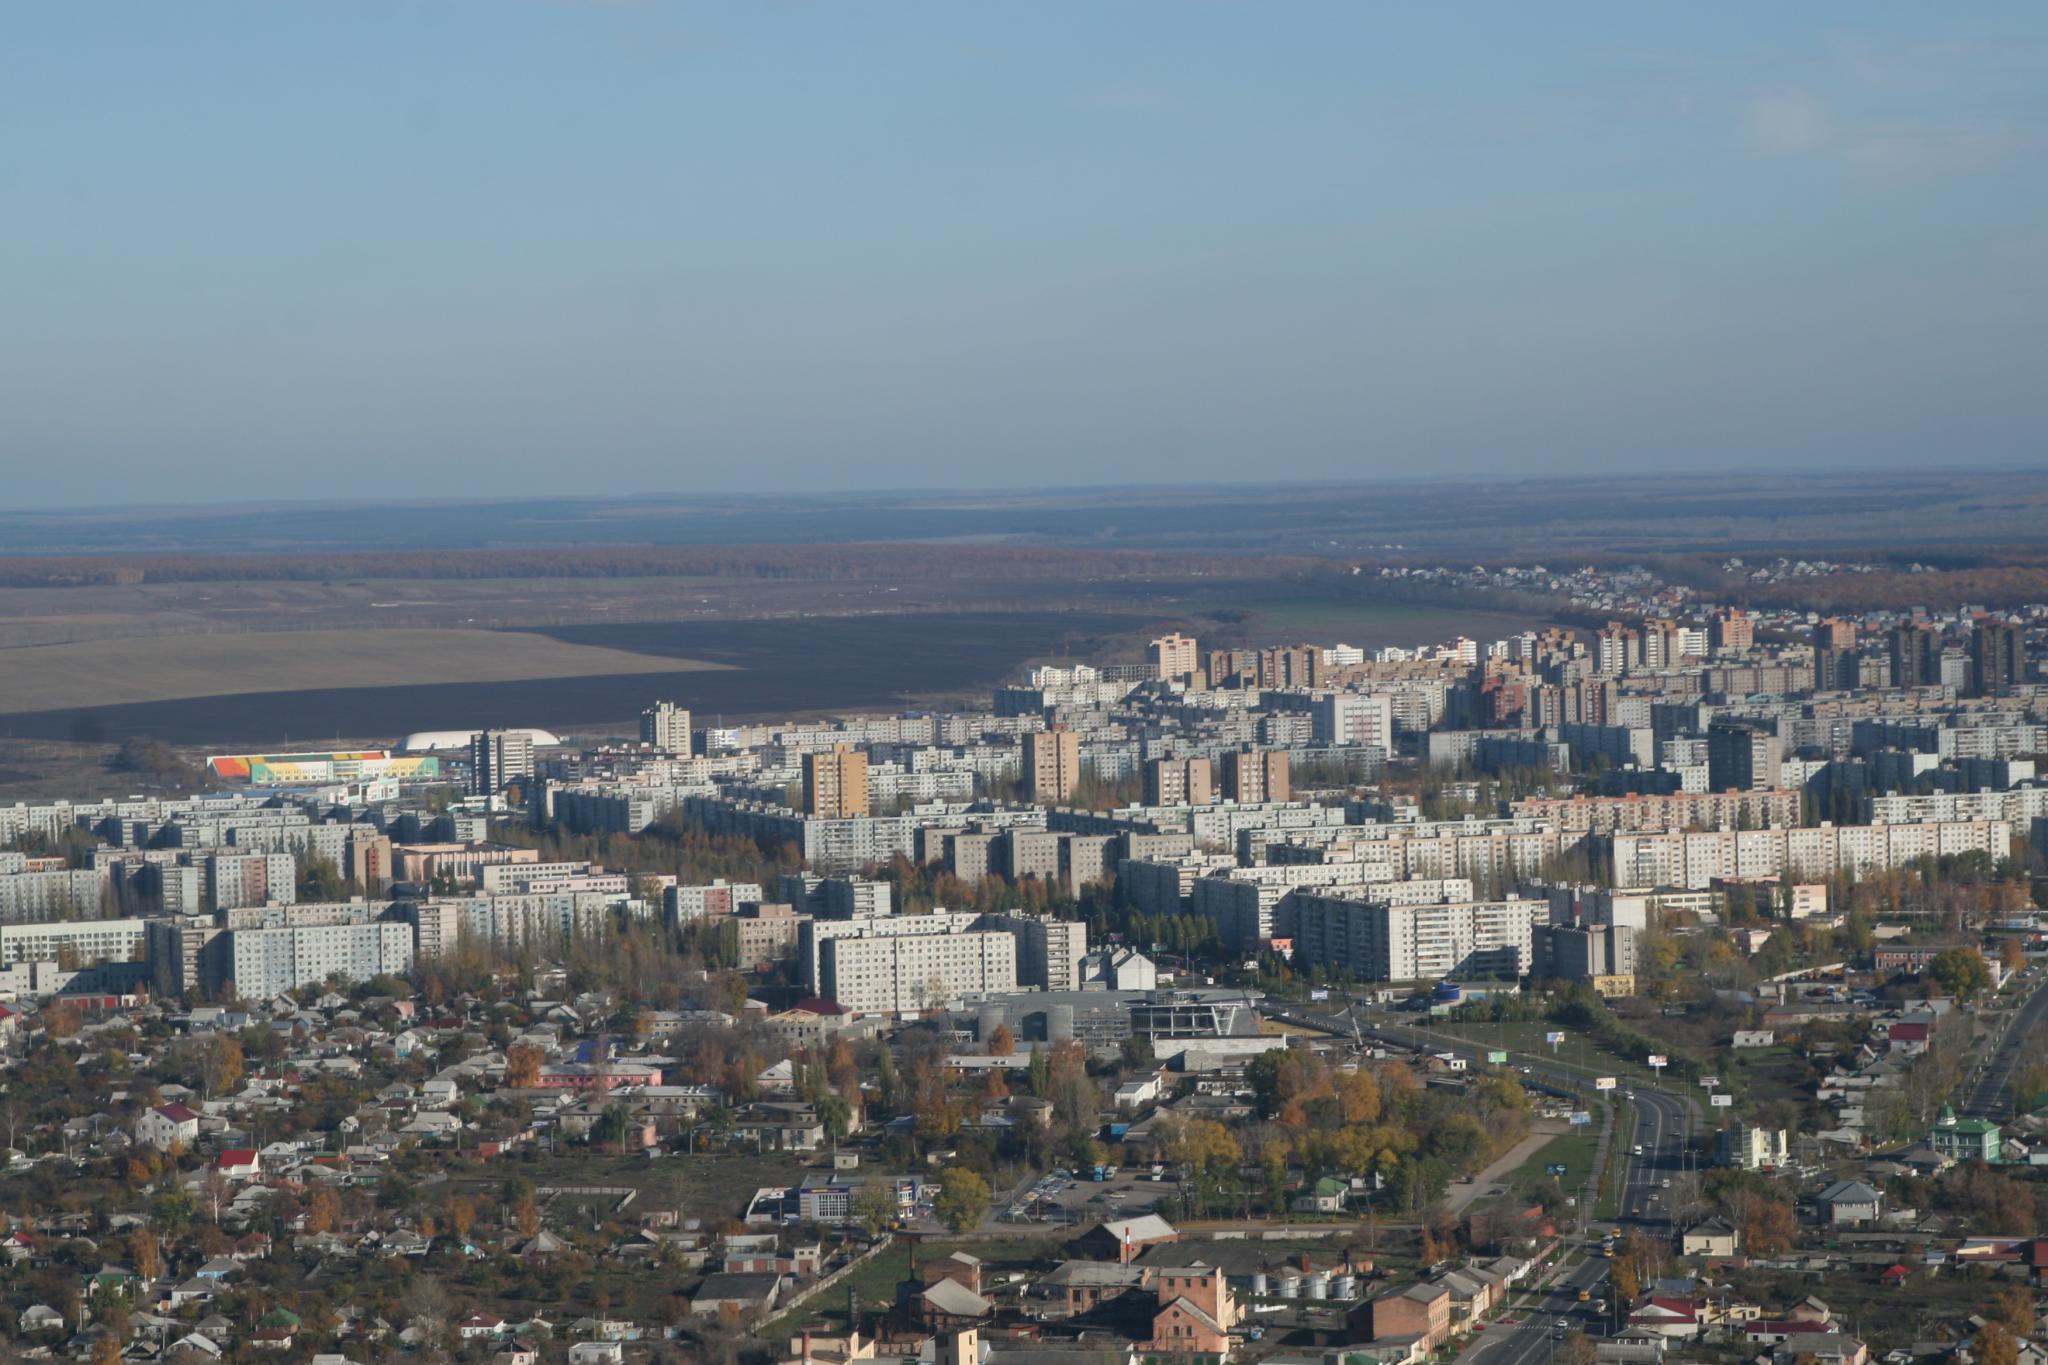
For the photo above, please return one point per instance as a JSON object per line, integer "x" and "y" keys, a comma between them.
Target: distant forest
{"x": 795, "y": 562}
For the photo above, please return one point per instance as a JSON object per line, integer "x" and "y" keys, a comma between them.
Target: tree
{"x": 1358, "y": 1096}
{"x": 1578, "y": 1350}
{"x": 149, "y": 1261}
{"x": 526, "y": 1213}
{"x": 460, "y": 1212}
{"x": 222, "y": 1065}
{"x": 106, "y": 1350}
{"x": 1200, "y": 1144}
{"x": 1001, "y": 1042}
{"x": 2029, "y": 1086}
{"x": 1041, "y": 1071}
{"x": 1770, "y": 1228}
{"x": 323, "y": 1213}
{"x": 1962, "y": 972}
{"x": 1993, "y": 1345}
{"x": 522, "y": 1066}
{"x": 962, "y": 1202}
{"x": 874, "y": 1207}
{"x": 2014, "y": 1311}
{"x": 2012, "y": 955}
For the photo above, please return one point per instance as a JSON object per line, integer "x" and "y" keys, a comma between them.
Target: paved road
{"x": 1988, "y": 1098}
{"x": 1655, "y": 1154}
{"x": 1536, "y": 1334}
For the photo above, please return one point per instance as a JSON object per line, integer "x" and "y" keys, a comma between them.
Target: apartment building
{"x": 267, "y": 962}
{"x": 1252, "y": 777}
{"x": 1695, "y": 860}
{"x": 666, "y": 727}
{"x": 1174, "y": 656}
{"x": 1417, "y": 942}
{"x": 898, "y": 974}
{"x": 1052, "y": 765}
{"x": 836, "y": 783}
{"x": 498, "y": 758}
{"x": 1179, "y": 782}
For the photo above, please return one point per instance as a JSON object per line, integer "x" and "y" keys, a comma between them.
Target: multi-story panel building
{"x": 267, "y": 962}
{"x": 1174, "y": 656}
{"x": 872, "y": 973}
{"x": 666, "y": 726}
{"x": 1417, "y": 942}
{"x": 1052, "y": 765}
{"x": 1179, "y": 782}
{"x": 836, "y": 783}
{"x": 1696, "y": 860}
{"x": 498, "y": 758}
{"x": 1252, "y": 777}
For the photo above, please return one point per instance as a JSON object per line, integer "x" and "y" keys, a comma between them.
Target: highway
{"x": 1988, "y": 1097}
{"x": 1663, "y": 1133}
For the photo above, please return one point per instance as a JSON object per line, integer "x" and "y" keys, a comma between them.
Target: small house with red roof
{"x": 1668, "y": 1317}
{"x": 240, "y": 1163}
{"x": 168, "y": 1126}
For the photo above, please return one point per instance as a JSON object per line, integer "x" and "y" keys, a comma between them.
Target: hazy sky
{"x": 306, "y": 248}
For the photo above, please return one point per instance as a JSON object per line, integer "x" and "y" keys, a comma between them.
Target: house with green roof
{"x": 1964, "y": 1139}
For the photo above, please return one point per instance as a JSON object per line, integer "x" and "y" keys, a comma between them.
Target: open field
{"x": 117, "y": 672}
{"x": 757, "y": 670}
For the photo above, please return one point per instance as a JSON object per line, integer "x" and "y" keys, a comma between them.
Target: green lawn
{"x": 1612, "y": 1179}
{"x": 1578, "y": 1053}
{"x": 1574, "y": 1149}
{"x": 876, "y": 1280}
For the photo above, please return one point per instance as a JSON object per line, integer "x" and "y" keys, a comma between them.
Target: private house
{"x": 1850, "y": 1202}
{"x": 166, "y": 1126}
{"x": 1714, "y": 1238}
{"x": 746, "y": 1293}
{"x": 1964, "y": 1139}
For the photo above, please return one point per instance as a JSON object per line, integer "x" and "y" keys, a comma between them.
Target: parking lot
{"x": 1067, "y": 1197}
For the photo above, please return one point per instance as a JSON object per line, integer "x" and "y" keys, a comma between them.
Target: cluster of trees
{"x": 1375, "y": 1121}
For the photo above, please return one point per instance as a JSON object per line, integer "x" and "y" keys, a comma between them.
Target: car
{"x": 1528, "y": 1071}
{"x": 1636, "y": 1212}
{"x": 1585, "y": 1296}
{"x": 1636, "y": 1150}
{"x": 1563, "y": 1323}
{"x": 1667, "y": 1183}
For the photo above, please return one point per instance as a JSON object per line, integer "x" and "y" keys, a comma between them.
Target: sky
{"x": 441, "y": 248}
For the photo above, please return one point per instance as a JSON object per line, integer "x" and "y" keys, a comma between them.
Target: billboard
{"x": 314, "y": 769}
{"x": 1721, "y": 1101}
{"x": 1659, "y": 1059}
{"x": 1603, "y": 1083}
{"x": 1319, "y": 994}
{"x": 1496, "y": 1059}
{"x": 1580, "y": 1118}
{"x": 1553, "y": 1038}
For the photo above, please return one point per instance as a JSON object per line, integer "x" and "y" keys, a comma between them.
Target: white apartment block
{"x": 234, "y": 880}
{"x": 1353, "y": 718}
{"x": 78, "y": 941}
{"x": 812, "y": 937}
{"x": 68, "y": 893}
{"x": 1417, "y": 942}
{"x": 1694, "y": 860}
{"x": 2019, "y": 807}
{"x": 910, "y": 973}
{"x": 266, "y": 962}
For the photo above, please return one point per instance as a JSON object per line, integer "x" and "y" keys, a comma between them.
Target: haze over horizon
{"x": 524, "y": 248}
